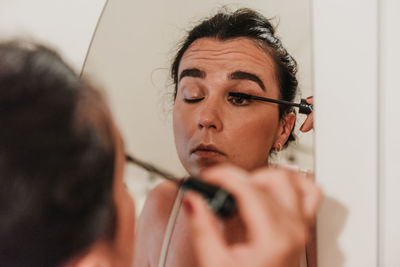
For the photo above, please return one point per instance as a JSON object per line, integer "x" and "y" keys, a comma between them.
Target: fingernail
{"x": 187, "y": 206}
{"x": 301, "y": 128}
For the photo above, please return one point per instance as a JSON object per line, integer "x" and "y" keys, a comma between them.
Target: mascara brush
{"x": 220, "y": 201}
{"x": 303, "y": 106}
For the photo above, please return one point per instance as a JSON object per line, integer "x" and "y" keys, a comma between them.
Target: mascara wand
{"x": 303, "y": 106}
{"x": 220, "y": 201}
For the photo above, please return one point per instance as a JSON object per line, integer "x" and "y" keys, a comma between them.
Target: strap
{"x": 170, "y": 228}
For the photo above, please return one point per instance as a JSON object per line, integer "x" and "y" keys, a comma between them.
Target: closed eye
{"x": 193, "y": 100}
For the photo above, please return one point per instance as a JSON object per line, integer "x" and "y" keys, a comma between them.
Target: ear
{"x": 99, "y": 255}
{"x": 286, "y": 125}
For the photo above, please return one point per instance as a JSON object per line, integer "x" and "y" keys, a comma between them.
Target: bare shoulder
{"x": 159, "y": 203}
{"x": 152, "y": 223}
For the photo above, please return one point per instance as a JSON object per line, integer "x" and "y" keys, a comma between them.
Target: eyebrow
{"x": 196, "y": 73}
{"x": 242, "y": 75}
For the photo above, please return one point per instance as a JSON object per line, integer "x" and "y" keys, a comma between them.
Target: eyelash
{"x": 230, "y": 99}
{"x": 195, "y": 100}
{"x": 247, "y": 100}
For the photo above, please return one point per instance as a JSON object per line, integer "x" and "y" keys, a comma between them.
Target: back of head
{"x": 56, "y": 159}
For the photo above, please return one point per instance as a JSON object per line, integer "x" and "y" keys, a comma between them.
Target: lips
{"x": 207, "y": 151}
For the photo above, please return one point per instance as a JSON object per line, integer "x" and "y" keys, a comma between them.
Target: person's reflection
{"x": 63, "y": 201}
{"x": 230, "y": 52}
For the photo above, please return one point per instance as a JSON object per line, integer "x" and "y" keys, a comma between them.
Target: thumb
{"x": 207, "y": 240}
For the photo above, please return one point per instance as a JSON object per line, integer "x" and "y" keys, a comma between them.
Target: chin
{"x": 197, "y": 168}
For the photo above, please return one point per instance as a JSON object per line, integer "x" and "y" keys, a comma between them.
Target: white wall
{"x": 389, "y": 134}
{"x": 68, "y": 26}
{"x": 356, "y": 57}
{"x": 356, "y": 63}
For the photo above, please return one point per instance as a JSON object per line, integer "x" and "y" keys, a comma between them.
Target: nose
{"x": 209, "y": 116}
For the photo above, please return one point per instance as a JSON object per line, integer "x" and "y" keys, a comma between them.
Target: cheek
{"x": 179, "y": 132}
{"x": 129, "y": 218}
{"x": 125, "y": 227}
{"x": 254, "y": 137}
{"x": 176, "y": 122}
{"x": 182, "y": 125}
{"x": 126, "y": 208}
{"x": 130, "y": 209}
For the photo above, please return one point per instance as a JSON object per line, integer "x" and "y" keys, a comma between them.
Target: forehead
{"x": 228, "y": 55}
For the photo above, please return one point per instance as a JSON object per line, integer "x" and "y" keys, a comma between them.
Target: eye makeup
{"x": 192, "y": 94}
{"x": 303, "y": 106}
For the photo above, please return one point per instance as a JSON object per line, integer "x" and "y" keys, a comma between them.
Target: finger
{"x": 290, "y": 227}
{"x": 265, "y": 216}
{"x": 312, "y": 197}
{"x": 310, "y": 194}
{"x": 279, "y": 185}
{"x": 251, "y": 209}
{"x": 308, "y": 123}
{"x": 207, "y": 240}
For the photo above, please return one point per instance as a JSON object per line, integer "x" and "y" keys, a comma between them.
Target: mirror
{"x": 130, "y": 57}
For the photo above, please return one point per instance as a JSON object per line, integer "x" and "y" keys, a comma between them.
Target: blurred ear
{"x": 99, "y": 255}
{"x": 286, "y": 125}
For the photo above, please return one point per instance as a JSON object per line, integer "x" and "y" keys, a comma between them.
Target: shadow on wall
{"x": 331, "y": 231}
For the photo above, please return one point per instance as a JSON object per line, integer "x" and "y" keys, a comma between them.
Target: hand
{"x": 277, "y": 207}
{"x": 309, "y": 122}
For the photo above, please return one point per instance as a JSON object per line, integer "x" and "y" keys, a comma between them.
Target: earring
{"x": 278, "y": 148}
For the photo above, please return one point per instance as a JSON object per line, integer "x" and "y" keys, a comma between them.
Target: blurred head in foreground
{"x": 62, "y": 197}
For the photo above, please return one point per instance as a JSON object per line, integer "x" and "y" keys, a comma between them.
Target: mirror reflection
{"x": 173, "y": 76}
{"x": 131, "y": 56}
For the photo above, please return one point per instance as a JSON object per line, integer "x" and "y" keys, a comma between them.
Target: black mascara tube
{"x": 221, "y": 202}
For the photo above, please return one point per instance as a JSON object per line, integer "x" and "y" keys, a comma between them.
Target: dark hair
{"x": 56, "y": 159}
{"x": 249, "y": 24}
